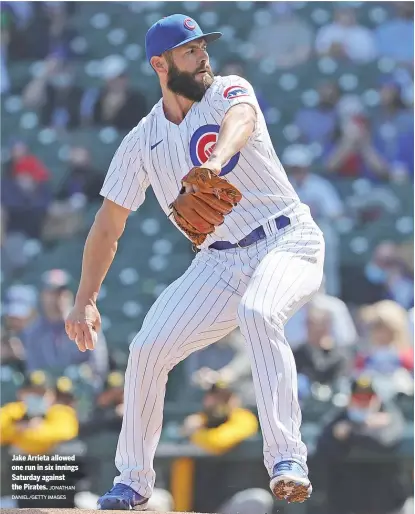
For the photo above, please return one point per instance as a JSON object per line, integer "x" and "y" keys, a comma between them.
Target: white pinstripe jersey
{"x": 159, "y": 153}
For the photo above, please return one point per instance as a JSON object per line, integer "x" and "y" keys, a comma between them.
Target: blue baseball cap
{"x": 174, "y": 31}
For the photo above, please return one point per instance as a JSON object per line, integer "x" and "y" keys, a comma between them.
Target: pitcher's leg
{"x": 285, "y": 280}
{"x": 188, "y": 315}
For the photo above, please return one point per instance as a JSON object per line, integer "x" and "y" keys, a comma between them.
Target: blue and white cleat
{"x": 290, "y": 482}
{"x": 122, "y": 497}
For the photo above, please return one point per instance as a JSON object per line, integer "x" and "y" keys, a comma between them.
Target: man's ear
{"x": 158, "y": 64}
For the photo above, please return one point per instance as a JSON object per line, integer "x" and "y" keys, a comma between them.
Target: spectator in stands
{"x": 287, "y": 41}
{"x": 82, "y": 177}
{"x": 80, "y": 186}
{"x": 236, "y": 66}
{"x": 343, "y": 327}
{"x": 392, "y": 124}
{"x": 225, "y": 361}
{"x": 109, "y": 407}
{"x": 20, "y": 308}
{"x": 324, "y": 202}
{"x": 25, "y": 194}
{"x": 385, "y": 276}
{"x": 64, "y": 392}
{"x": 346, "y": 39}
{"x": 220, "y": 427}
{"x": 116, "y": 104}
{"x": 35, "y": 424}
{"x": 320, "y": 359}
{"x": 222, "y": 424}
{"x": 45, "y": 341}
{"x": 318, "y": 124}
{"x": 22, "y": 162}
{"x": 37, "y": 28}
{"x": 352, "y": 153}
{"x": 55, "y": 93}
{"x": 13, "y": 256}
{"x": 369, "y": 426}
{"x": 395, "y": 37}
{"x": 390, "y": 347}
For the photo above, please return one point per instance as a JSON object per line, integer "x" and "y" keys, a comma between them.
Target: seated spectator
{"x": 37, "y": 29}
{"x": 22, "y": 162}
{"x": 35, "y": 424}
{"x": 352, "y": 153}
{"x": 392, "y": 123}
{"x": 20, "y": 308}
{"x": 45, "y": 341}
{"x": 82, "y": 177}
{"x": 343, "y": 327}
{"x": 80, "y": 186}
{"x": 325, "y": 205}
{"x": 225, "y": 361}
{"x": 346, "y": 39}
{"x": 399, "y": 28}
{"x": 220, "y": 427}
{"x": 371, "y": 427}
{"x": 385, "y": 276}
{"x": 287, "y": 41}
{"x": 116, "y": 104}
{"x": 55, "y": 94}
{"x": 390, "y": 348}
{"x": 318, "y": 124}
{"x": 320, "y": 359}
{"x": 64, "y": 392}
{"x": 109, "y": 407}
{"x": 222, "y": 424}
{"x": 25, "y": 202}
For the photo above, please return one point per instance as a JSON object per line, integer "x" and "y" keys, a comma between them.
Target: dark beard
{"x": 184, "y": 83}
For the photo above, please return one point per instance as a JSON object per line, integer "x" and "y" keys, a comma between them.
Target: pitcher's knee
{"x": 149, "y": 348}
{"x": 255, "y": 315}
{"x": 249, "y": 314}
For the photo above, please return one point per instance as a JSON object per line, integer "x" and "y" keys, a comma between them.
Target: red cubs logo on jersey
{"x": 232, "y": 92}
{"x": 189, "y": 24}
{"x": 202, "y": 145}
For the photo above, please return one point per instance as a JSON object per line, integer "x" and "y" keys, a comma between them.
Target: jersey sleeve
{"x": 234, "y": 90}
{"x": 126, "y": 181}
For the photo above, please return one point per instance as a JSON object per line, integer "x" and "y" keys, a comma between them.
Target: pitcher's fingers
{"x": 88, "y": 337}
{"x": 70, "y": 330}
{"x": 79, "y": 338}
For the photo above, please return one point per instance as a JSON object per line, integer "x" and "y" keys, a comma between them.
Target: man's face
{"x": 55, "y": 303}
{"x": 189, "y": 72}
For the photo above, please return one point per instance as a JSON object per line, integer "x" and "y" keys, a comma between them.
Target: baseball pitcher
{"x": 205, "y": 150}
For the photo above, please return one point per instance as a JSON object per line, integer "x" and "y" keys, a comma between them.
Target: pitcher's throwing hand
{"x": 82, "y": 325}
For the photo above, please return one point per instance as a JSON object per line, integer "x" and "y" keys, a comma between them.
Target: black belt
{"x": 253, "y": 237}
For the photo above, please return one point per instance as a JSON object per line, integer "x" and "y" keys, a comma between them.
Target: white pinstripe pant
{"x": 257, "y": 288}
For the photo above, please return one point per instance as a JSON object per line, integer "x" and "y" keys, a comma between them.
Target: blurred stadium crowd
{"x": 335, "y": 81}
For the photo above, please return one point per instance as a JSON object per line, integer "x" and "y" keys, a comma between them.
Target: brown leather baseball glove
{"x": 199, "y": 213}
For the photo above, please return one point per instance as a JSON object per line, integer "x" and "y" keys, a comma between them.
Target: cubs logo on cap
{"x": 202, "y": 144}
{"x": 173, "y": 31}
{"x": 232, "y": 92}
{"x": 189, "y": 24}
